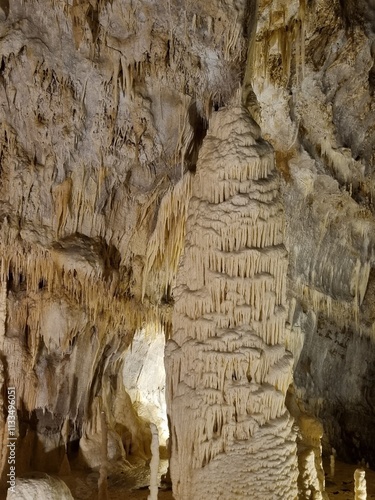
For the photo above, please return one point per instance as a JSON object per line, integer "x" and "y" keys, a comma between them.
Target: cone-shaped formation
{"x": 227, "y": 367}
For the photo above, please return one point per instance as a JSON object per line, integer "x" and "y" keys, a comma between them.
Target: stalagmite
{"x": 360, "y": 490}
{"x": 65, "y": 466}
{"x": 154, "y": 464}
{"x": 332, "y": 460}
{"x": 227, "y": 367}
{"x": 308, "y": 477}
{"x": 102, "y": 482}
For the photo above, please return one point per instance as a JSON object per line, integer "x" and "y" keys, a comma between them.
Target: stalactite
{"x": 346, "y": 169}
{"x": 227, "y": 368}
{"x": 47, "y": 276}
{"x": 282, "y": 40}
{"x": 342, "y": 312}
{"x": 166, "y": 243}
{"x": 231, "y": 40}
{"x": 62, "y": 197}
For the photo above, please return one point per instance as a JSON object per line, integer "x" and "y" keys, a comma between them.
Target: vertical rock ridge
{"x": 227, "y": 367}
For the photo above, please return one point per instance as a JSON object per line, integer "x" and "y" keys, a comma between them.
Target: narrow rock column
{"x": 102, "y": 482}
{"x": 332, "y": 462}
{"x": 360, "y": 489}
{"x": 227, "y": 368}
{"x": 154, "y": 464}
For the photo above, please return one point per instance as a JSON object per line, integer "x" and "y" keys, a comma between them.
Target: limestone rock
{"x": 40, "y": 486}
{"x": 105, "y": 108}
{"x": 227, "y": 368}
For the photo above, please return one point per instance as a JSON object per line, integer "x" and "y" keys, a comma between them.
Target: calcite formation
{"x": 312, "y": 81}
{"x": 227, "y": 368}
{"x": 154, "y": 464}
{"x": 41, "y": 486}
{"x": 360, "y": 492}
{"x": 105, "y": 108}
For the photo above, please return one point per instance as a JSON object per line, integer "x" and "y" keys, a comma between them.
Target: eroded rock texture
{"x": 312, "y": 75}
{"x": 41, "y": 486}
{"x": 105, "y": 105}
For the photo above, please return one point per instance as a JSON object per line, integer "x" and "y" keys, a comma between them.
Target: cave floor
{"x": 84, "y": 487}
{"x": 341, "y": 487}
{"x": 133, "y": 484}
{"x": 129, "y": 484}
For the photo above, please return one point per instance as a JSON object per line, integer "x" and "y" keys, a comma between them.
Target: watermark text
{"x": 12, "y": 438}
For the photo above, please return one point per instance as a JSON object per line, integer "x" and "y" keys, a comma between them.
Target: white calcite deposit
{"x": 43, "y": 487}
{"x": 227, "y": 368}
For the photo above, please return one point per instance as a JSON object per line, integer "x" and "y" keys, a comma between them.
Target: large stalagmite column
{"x": 227, "y": 368}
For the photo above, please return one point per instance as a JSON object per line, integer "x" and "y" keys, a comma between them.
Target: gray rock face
{"x": 316, "y": 107}
{"x": 336, "y": 377}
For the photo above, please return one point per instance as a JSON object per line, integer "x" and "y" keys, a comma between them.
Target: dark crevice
{"x": 199, "y": 126}
{"x": 371, "y": 81}
{"x": 4, "y": 4}
{"x": 250, "y": 19}
{"x": 92, "y": 18}
{"x": 358, "y": 13}
{"x": 73, "y": 449}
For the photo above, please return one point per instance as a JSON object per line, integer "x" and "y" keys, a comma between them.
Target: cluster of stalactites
{"x": 39, "y": 284}
{"x": 280, "y": 47}
{"x": 167, "y": 240}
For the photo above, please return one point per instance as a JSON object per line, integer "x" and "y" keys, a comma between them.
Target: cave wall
{"x": 312, "y": 77}
{"x": 105, "y": 106}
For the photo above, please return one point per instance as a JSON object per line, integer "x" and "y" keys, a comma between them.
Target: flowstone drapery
{"x": 227, "y": 368}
